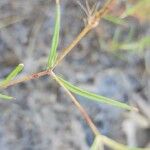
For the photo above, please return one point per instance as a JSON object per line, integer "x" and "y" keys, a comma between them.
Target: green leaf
{"x": 130, "y": 34}
{"x": 5, "y": 97}
{"x": 115, "y": 20}
{"x": 138, "y": 45}
{"x": 53, "y": 52}
{"x": 96, "y": 144}
{"x": 137, "y": 8}
{"x": 12, "y": 75}
{"x": 95, "y": 97}
{"x": 117, "y": 146}
{"x": 145, "y": 41}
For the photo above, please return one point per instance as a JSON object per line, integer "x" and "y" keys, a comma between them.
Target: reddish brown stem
{"x": 27, "y": 78}
{"x": 78, "y": 105}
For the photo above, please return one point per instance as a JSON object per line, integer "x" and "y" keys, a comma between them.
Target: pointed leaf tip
{"x": 95, "y": 97}
{"x": 12, "y": 75}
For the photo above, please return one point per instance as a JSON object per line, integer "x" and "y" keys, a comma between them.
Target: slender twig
{"x": 26, "y": 78}
{"x": 72, "y": 45}
{"x": 81, "y": 110}
{"x": 92, "y": 23}
{"x": 78, "y": 105}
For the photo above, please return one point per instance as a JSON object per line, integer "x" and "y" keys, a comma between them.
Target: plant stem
{"x": 92, "y": 23}
{"x": 77, "y": 104}
{"x": 103, "y": 139}
{"x": 117, "y": 146}
{"x": 26, "y": 78}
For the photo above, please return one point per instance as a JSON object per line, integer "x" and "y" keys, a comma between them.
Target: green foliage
{"x": 12, "y": 75}
{"x": 53, "y": 52}
{"x": 5, "y": 97}
{"x": 92, "y": 96}
{"x": 128, "y": 44}
{"x": 96, "y": 144}
{"x": 115, "y": 20}
{"x": 99, "y": 139}
{"x": 133, "y": 46}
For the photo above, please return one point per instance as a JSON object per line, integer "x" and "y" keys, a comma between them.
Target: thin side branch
{"x": 92, "y": 23}
{"x": 26, "y": 78}
{"x": 103, "y": 139}
{"x": 79, "y": 107}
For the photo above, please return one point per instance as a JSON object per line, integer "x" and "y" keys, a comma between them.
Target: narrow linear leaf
{"x": 5, "y": 97}
{"x": 96, "y": 143}
{"x": 130, "y": 34}
{"x": 115, "y": 20}
{"x": 112, "y": 144}
{"x": 138, "y": 45}
{"x": 117, "y": 146}
{"x": 95, "y": 97}
{"x": 12, "y": 75}
{"x": 53, "y": 52}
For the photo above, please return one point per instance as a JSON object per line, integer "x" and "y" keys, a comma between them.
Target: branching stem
{"x": 81, "y": 110}
{"x": 93, "y": 22}
{"x": 78, "y": 105}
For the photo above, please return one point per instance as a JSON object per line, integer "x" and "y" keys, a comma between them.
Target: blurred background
{"x": 113, "y": 60}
